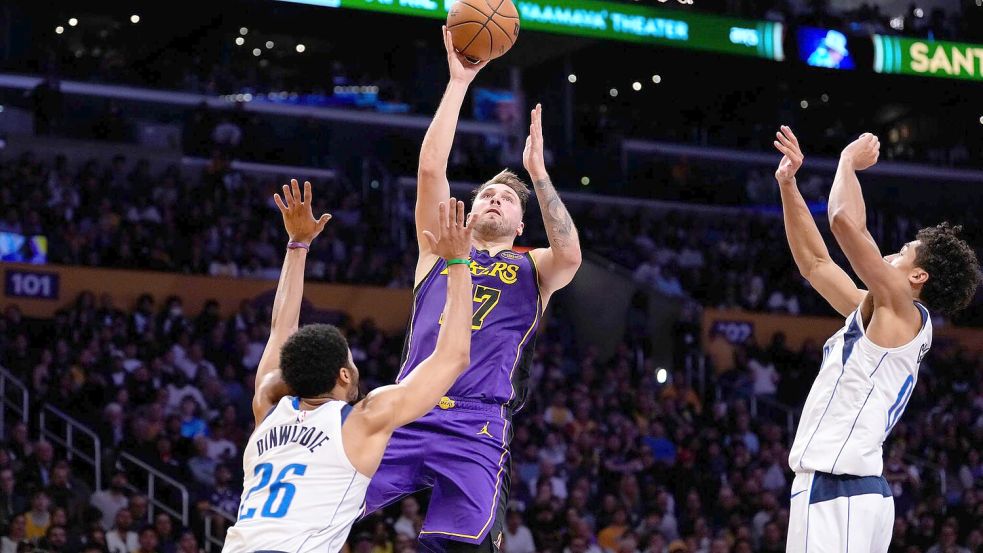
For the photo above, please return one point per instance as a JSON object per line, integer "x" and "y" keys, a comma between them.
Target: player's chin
{"x": 487, "y": 226}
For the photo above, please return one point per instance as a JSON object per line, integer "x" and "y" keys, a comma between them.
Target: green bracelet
{"x": 458, "y": 262}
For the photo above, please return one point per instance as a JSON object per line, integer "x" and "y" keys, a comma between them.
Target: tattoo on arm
{"x": 559, "y": 225}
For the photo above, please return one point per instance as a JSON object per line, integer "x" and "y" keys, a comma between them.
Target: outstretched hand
{"x": 454, "y": 238}
{"x": 863, "y": 152}
{"x": 788, "y": 144}
{"x": 533, "y": 158}
{"x": 298, "y": 218}
{"x": 461, "y": 68}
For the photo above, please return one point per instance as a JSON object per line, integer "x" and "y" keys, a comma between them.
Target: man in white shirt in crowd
{"x": 121, "y": 539}
{"x": 111, "y": 500}
{"x": 518, "y": 538}
{"x": 409, "y": 517}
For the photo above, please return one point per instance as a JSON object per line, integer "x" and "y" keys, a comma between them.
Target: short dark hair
{"x": 952, "y": 267}
{"x": 510, "y": 179}
{"x": 312, "y": 359}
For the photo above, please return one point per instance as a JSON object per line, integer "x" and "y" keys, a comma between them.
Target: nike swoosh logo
{"x": 796, "y": 493}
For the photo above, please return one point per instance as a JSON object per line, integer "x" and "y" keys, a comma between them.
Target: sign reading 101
{"x": 31, "y": 284}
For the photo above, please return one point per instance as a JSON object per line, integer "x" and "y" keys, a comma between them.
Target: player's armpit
{"x": 268, "y": 393}
{"x": 835, "y": 286}
{"x": 554, "y": 271}
{"x": 269, "y": 379}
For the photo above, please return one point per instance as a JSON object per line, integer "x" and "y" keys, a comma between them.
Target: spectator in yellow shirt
{"x": 608, "y": 537}
{"x": 38, "y": 518}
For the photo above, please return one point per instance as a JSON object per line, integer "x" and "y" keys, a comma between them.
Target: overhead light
{"x": 73, "y": 22}
{"x": 897, "y": 23}
{"x": 656, "y": 79}
{"x": 637, "y": 86}
{"x": 804, "y": 104}
{"x": 257, "y": 52}
{"x": 134, "y": 19}
{"x": 59, "y": 30}
{"x": 1, "y": 109}
{"x": 240, "y": 41}
{"x": 919, "y": 13}
{"x": 981, "y": 117}
{"x": 247, "y": 97}
{"x": 614, "y": 92}
{"x": 301, "y": 48}
{"x": 585, "y": 181}
{"x": 661, "y": 375}
{"x": 573, "y": 78}
{"x": 269, "y": 44}
{"x": 824, "y": 97}
{"x": 243, "y": 31}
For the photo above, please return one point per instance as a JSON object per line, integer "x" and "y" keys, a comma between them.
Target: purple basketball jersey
{"x": 507, "y": 308}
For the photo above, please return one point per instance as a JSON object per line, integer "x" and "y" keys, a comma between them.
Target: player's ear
{"x": 522, "y": 226}
{"x": 918, "y": 276}
{"x": 345, "y": 375}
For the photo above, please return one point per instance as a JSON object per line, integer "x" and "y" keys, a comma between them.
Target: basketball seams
{"x": 491, "y": 42}
{"x": 473, "y": 37}
{"x": 507, "y": 34}
{"x": 477, "y": 9}
{"x": 484, "y": 26}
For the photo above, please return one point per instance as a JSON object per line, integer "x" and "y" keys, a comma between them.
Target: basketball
{"x": 483, "y": 29}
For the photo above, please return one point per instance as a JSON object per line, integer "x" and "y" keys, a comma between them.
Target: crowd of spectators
{"x": 223, "y": 223}
{"x": 604, "y": 460}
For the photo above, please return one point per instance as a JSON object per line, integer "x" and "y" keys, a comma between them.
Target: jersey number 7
{"x": 486, "y": 298}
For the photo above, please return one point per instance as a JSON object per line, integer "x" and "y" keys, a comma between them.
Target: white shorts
{"x": 840, "y": 513}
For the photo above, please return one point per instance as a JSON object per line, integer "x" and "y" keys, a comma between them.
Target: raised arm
{"x": 432, "y": 185}
{"x": 384, "y": 409}
{"x": 848, "y": 220}
{"x": 558, "y": 263}
{"x": 302, "y": 229}
{"x": 808, "y": 248}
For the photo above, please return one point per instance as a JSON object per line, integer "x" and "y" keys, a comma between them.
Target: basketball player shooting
{"x": 309, "y": 461}
{"x": 461, "y": 449}
{"x": 840, "y": 501}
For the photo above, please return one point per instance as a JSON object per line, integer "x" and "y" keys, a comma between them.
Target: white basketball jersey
{"x": 301, "y": 493}
{"x": 858, "y": 396}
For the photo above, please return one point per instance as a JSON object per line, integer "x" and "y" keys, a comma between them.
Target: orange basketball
{"x": 483, "y": 29}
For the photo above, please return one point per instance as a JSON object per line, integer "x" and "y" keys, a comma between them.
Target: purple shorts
{"x": 460, "y": 449}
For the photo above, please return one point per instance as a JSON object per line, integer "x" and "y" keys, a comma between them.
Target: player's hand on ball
{"x": 461, "y": 69}
{"x": 533, "y": 157}
{"x": 298, "y": 218}
{"x": 788, "y": 145}
{"x": 454, "y": 238}
{"x": 863, "y": 152}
